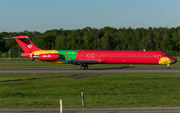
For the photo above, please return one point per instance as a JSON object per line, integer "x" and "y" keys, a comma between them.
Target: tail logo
{"x": 29, "y": 46}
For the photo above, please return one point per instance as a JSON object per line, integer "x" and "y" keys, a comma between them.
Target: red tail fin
{"x": 26, "y": 44}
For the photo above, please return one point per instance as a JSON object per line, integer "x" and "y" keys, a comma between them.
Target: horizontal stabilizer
{"x": 9, "y": 38}
{"x": 17, "y": 37}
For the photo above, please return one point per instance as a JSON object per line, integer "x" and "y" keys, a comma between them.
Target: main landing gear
{"x": 84, "y": 66}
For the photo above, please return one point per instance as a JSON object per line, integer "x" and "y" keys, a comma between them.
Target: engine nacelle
{"x": 53, "y": 56}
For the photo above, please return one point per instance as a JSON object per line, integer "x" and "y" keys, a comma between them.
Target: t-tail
{"x": 26, "y": 44}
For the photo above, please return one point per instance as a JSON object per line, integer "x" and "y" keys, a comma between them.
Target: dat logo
{"x": 30, "y": 46}
{"x": 46, "y": 56}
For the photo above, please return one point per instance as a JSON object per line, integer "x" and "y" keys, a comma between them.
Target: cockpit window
{"x": 165, "y": 55}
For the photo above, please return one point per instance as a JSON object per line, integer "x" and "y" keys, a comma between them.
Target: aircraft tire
{"x": 82, "y": 67}
{"x": 168, "y": 67}
{"x": 86, "y": 67}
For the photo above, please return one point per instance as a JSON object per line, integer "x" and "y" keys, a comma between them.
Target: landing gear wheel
{"x": 82, "y": 67}
{"x": 168, "y": 67}
{"x": 86, "y": 67}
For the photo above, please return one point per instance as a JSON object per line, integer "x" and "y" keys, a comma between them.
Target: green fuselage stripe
{"x": 67, "y": 55}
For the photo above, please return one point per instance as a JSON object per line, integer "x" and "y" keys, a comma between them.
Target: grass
{"x": 20, "y": 77}
{"x": 39, "y": 64}
{"x": 101, "y": 91}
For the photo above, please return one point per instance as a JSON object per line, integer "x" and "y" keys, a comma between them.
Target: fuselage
{"x": 122, "y": 57}
{"x": 111, "y": 57}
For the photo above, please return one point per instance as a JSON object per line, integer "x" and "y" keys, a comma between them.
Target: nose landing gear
{"x": 84, "y": 66}
{"x": 168, "y": 66}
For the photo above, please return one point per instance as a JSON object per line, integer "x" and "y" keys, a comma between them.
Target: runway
{"x": 91, "y": 70}
{"x": 106, "y": 110}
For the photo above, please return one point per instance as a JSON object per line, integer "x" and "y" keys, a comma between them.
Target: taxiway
{"x": 106, "y": 110}
{"x": 91, "y": 70}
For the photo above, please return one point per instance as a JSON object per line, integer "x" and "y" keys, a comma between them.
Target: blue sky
{"x": 42, "y": 15}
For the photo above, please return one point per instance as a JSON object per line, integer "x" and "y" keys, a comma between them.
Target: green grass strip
{"x": 100, "y": 91}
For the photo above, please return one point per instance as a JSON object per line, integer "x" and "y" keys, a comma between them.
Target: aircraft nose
{"x": 173, "y": 60}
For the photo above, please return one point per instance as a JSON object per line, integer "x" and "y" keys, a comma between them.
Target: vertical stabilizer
{"x": 25, "y": 43}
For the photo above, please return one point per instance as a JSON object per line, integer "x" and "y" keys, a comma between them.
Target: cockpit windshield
{"x": 165, "y": 55}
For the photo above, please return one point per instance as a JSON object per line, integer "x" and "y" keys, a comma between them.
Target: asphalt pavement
{"x": 112, "y": 110}
{"x": 91, "y": 70}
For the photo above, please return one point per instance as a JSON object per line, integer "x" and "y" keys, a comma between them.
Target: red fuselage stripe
{"x": 121, "y": 57}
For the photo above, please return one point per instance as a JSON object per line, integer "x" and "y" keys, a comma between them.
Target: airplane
{"x": 86, "y": 57}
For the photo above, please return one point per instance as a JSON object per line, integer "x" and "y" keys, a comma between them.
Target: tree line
{"x": 107, "y": 38}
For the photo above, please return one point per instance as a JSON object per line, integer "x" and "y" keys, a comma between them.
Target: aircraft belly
{"x": 130, "y": 61}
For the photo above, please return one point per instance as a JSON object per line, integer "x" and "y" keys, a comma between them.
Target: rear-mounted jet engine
{"x": 47, "y": 57}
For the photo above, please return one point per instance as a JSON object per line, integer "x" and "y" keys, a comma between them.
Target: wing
{"x": 78, "y": 62}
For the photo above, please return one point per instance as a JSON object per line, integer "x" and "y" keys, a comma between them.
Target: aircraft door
{"x": 159, "y": 57}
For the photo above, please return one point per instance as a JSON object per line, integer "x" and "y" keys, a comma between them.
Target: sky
{"x": 43, "y": 15}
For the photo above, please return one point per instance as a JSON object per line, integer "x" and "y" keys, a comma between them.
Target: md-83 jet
{"x": 86, "y": 57}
